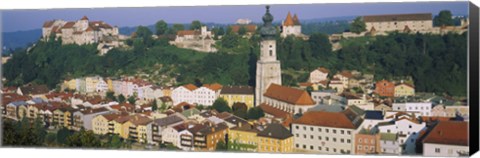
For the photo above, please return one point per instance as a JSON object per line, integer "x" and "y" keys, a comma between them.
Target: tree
{"x": 161, "y": 27}
{"x": 200, "y": 107}
{"x": 62, "y": 135}
{"x": 154, "y": 106}
{"x": 320, "y": 46}
{"x": 116, "y": 142}
{"x": 221, "y": 105}
{"x": 242, "y": 30}
{"x": 221, "y": 31}
{"x": 255, "y": 113}
{"x": 230, "y": 41}
{"x": 84, "y": 139}
{"x": 121, "y": 98}
{"x": 195, "y": 25}
{"x": 309, "y": 89}
{"x": 177, "y": 27}
{"x": 163, "y": 106}
{"x": 444, "y": 18}
{"x": 221, "y": 146}
{"x": 358, "y": 25}
{"x": 110, "y": 95}
{"x": 132, "y": 100}
{"x": 240, "y": 110}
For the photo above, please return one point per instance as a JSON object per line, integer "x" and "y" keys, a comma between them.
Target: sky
{"x": 18, "y": 20}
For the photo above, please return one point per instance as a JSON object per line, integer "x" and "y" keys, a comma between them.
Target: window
{"x": 348, "y": 132}
{"x": 348, "y": 140}
{"x": 304, "y": 146}
{"x": 311, "y": 128}
{"x": 409, "y": 126}
{"x": 342, "y": 132}
{"x": 271, "y": 52}
{"x": 319, "y": 148}
{"x": 334, "y": 150}
{"x": 304, "y": 128}
{"x": 296, "y": 145}
{"x": 311, "y": 136}
{"x": 437, "y": 150}
{"x": 319, "y": 137}
{"x": 311, "y": 147}
{"x": 359, "y": 140}
{"x": 326, "y": 130}
{"x": 296, "y": 135}
{"x": 334, "y": 131}
{"x": 359, "y": 147}
{"x": 296, "y": 127}
{"x": 326, "y": 138}
{"x": 319, "y": 129}
{"x": 342, "y": 141}
{"x": 304, "y": 136}
{"x": 326, "y": 149}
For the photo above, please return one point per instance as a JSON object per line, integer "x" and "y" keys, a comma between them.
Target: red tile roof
{"x": 449, "y": 132}
{"x": 277, "y": 113}
{"x": 188, "y": 32}
{"x": 190, "y": 87}
{"x": 214, "y": 87}
{"x": 295, "y": 20}
{"x": 84, "y": 18}
{"x": 288, "y": 20}
{"x": 250, "y": 28}
{"x": 398, "y": 17}
{"x": 324, "y": 70}
{"x": 68, "y": 25}
{"x": 48, "y": 24}
{"x": 289, "y": 95}
{"x": 327, "y": 119}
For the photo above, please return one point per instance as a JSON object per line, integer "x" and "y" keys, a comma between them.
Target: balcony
{"x": 200, "y": 139}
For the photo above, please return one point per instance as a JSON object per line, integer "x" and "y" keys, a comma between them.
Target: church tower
{"x": 268, "y": 67}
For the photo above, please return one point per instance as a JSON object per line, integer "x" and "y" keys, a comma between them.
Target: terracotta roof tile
{"x": 288, "y": 20}
{"x": 398, "y": 17}
{"x": 237, "y": 90}
{"x": 323, "y": 69}
{"x": 250, "y": 28}
{"x": 328, "y": 119}
{"x": 277, "y": 113}
{"x": 449, "y": 132}
{"x": 48, "y": 24}
{"x": 289, "y": 95}
{"x": 295, "y": 20}
{"x": 188, "y": 32}
{"x": 214, "y": 87}
{"x": 68, "y": 25}
{"x": 190, "y": 87}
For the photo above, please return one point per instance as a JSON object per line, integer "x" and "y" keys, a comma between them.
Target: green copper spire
{"x": 268, "y": 31}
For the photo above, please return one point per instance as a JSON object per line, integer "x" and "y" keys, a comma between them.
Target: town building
{"x": 367, "y": 141}
{"x": 407, "y": 127}
{"x": 390, "y": 144}
{"x": 82, "y": 32}
{"x": 205, "y": 95}
{"x": 268, "y": 67}
{"x": 156, "y": 127}
{"x": 420, "y": 22}
{"x": 288, "y": 99}
{"x": 319, "y": 74}
{"x": 326, "y": 132}
{"x": 447, "y": 138}
{"x": 243, "y": 137}
{"x": 291, "y": 26}
{"x": 404, "y": 89}
{"x": 199, "y": 40}
{"x": 412, "y": 105}
{"x": 238, "y": 94}
{"x": 385, "y": 88}
{"x": 275, "y": 138}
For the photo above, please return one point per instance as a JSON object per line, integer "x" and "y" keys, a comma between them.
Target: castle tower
{"x": 268, "y": 67}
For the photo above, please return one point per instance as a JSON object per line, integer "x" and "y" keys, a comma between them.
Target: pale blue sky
{"x": 16, "y": 20}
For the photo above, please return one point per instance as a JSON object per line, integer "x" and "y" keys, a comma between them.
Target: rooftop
{"x": 449, "y": 133}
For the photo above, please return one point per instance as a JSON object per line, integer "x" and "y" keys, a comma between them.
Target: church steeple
{"x": 268, "y": 67}
{"x": 268, "y": 31}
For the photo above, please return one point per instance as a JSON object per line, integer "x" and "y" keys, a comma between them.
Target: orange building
{"x": 367, "y": 142}
{"x": 385, "y": 88}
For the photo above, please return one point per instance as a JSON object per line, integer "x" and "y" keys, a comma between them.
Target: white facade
{"x": 202, "y": 95}
{"x": 317, "y": 76}
{"x": 325, "y": 140}
{"x": 171, "y": 135}
{"x": 422, "y": 108}
{"x": 408, "y": 132}
{"x": 444, "y": 150}
{"x": 268, "y": 69}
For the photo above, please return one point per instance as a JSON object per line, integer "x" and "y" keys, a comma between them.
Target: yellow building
{"x": 243, "y": 137}
{"x": 91, "y": 83}
{"x": 70, "y": 84}
{"x": 135, "y": 128}
{"x": 242, "y": 94}
{"x": 275, "y": 138}
{"x": 110, "y": 84}
{"x": 68, "y": 117}
{"x": 58, "y": 118}
{"x": 404, "y": 89}
{"x": 167, "y": 91}
{"x": 104, "y": 124}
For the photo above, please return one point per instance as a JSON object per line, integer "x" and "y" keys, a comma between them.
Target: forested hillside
{"x": 436, "y": 63}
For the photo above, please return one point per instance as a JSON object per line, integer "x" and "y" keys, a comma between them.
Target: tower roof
{"x": 295, "y": 20}
{"x": 84, "y": 18}
{"x": 288, "y": 20}
{"x": 267, "y": 31}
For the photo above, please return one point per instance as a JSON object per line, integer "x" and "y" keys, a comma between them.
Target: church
{"x": 269, "y": 91}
